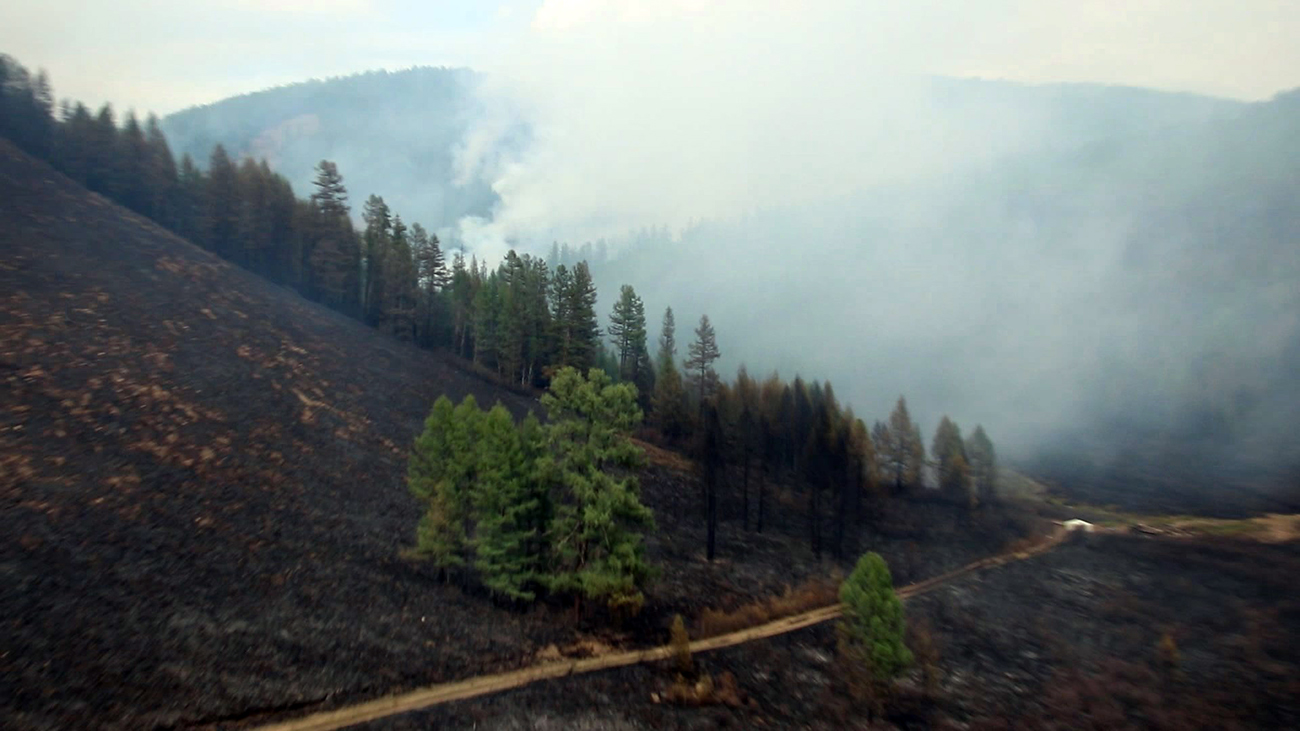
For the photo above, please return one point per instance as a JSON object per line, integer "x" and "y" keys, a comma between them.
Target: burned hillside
{"x": 201, "y": 477}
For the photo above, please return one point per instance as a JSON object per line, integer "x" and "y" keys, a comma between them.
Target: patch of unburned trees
{"x": 531, "y": 508}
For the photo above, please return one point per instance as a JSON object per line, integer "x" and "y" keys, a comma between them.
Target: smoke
{"x": 665, "y": 113}
{"x": 1043, "y": 260}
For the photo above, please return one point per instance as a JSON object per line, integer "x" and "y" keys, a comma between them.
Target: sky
{"x": 161, "y": 55}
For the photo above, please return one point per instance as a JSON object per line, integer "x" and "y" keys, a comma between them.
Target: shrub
{"x": 812, "y": 594}
{"x": 1167, "y": 652}
{"x": 681, "y": 645}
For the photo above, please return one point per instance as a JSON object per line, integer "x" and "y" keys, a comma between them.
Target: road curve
{"x": 486, "y": 684}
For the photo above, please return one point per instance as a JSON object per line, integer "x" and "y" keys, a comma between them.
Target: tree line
{"x": 523, "y": 320}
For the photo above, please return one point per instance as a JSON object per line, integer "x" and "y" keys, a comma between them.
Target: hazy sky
{"x": 163, "y": 55}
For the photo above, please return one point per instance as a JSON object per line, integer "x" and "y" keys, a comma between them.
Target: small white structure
{"x": 1074, "y": 524}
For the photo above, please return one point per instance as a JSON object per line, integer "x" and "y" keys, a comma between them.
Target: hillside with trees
{"x": 252, "y": 395}
{"x": 395, "y": 132}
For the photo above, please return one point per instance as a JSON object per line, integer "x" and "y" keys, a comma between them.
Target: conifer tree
{"x": 375, "y": 244}
{"x": 332, "y": 254}
{"x": 441, "y": 473}
{"x": 983, "y": 465}
{"x": 189, "y": 200}
{"x": 221, "y": 198}
{"x": 101, "y": 154}
{"x": 462, "y": 303}
{"x": 161, "y": 176}
{"x": 669, "y": 403}
{"x": 433, "y": 280}
{"x": 699, "y": 362}
{"x": 486, "y": 310}
{"x": 627, "y": 330}
{"x": 872, "y": 628}
{"x": 561, "y": 322}
{"x": 584, "y": 332}
{"x": 254, "y": 247}
{"x": 509, "y": 505}
{"x": 399, "y": 307}
{"x": 901, "y": 449}
{"x": 949, "y": 453}
{"x": 133, "y": 167}
{"x": 982, "y": 461}
{"x": 596, "y": 532}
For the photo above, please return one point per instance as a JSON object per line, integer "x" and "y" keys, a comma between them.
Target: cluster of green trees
{"x": 527, "y": 508}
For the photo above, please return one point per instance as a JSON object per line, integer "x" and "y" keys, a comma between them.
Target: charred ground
{"x": 201, "y": 481}
{"x": 202, "y": 474}
{"x": 1067, "y": 640}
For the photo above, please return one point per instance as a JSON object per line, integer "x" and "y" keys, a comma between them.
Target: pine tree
{"x": 509, "y": 505}
{"x": 399, "y": 309}
{"x": 102, "y": 174}
{"x": 254, "y": 250}
{"x": 486, "y": 310}
{"x": 561, "y": 320}
{"x": 433, "y": 280}
{"x": 221, "y": 205}
{"x": 74, "y": 139}
{"x": 901, "y": 449}
{"x": 133, "y": 167}
{"x": 949, "y": 453}
{"x": 699, "y": 363}
{"x": 189, "y": 201}
{"x": 584, "y": 332}
{"x": 596, "y": 532}
{"x": 627, "y": 330}
{"x": 872, "y": 628}
{"x": 982, "y": 461}
{"x": 441, "y": 473}
{"x": 161, "y": 177}
{"x": 376, "y": 240}
{"x": 669, "y": 403}
{"x": 333, "y": 255}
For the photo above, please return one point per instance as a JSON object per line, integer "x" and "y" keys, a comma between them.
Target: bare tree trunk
{"x": 712, "y": 518}
{"x": 745, "y": 491}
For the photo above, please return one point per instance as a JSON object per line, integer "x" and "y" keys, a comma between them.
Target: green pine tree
{"x": 699, "y": 362}
{"x": 872, "y": 627}
{"x": 596, "y": 532}
{"x": 441, "y": 473}
{"x": 508, "y": 505}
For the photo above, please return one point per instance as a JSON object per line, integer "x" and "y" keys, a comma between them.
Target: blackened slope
{"x": 201, "y": 481}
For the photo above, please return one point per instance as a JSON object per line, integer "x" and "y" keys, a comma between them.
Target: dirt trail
{"x": 483, "y": 685}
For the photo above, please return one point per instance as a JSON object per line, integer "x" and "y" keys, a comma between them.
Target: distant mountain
{"x": 392, "y": 134}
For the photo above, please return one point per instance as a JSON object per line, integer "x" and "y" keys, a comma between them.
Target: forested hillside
{"x": 194, "y": 454}
{"x": 1112, "y": 294}
{"x": 395, "y": 134}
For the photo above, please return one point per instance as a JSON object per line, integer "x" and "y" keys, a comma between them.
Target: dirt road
{"x": 486, "y": 684}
